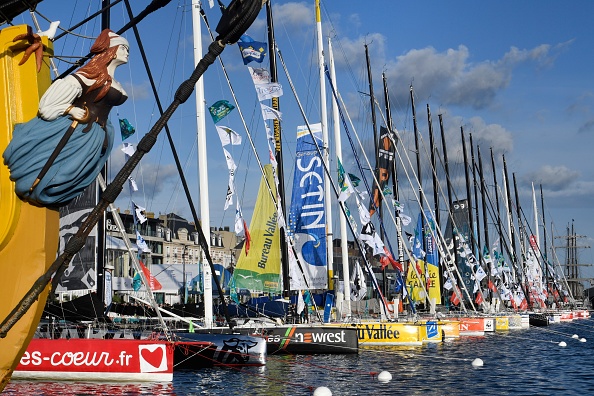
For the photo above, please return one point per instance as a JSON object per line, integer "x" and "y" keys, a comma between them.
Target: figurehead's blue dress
{"x": 82, "y": 158}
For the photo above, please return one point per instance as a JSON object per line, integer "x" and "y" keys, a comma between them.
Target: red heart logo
{"x": 153, "y": 358}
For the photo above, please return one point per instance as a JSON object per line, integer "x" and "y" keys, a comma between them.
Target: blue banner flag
{"x": 307, "y": 217}
{"x": 220, "y": 109}
{"x": 126, "y": 129}
{"x": 251, "y": 50}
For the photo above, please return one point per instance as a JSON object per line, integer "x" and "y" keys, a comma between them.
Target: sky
{"x": 517, "y": 76}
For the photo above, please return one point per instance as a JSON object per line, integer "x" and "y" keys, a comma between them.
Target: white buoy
{"x": 322, "y": 391}
{"x": 562, "y": 344}
{"x": 582, "y": 339}
{"x": 384, "y": 376}
{"x": 575, "y": 336}
{"x": 477, "y": 362}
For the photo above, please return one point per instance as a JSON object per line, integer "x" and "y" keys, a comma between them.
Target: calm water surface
{"x": 519, "y": 362}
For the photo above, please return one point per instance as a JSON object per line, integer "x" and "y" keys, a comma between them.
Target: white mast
{"x": 202, "y": 163}
{"x": 343, "y": 224}
{"x": 324, "y": 122}
{"x": 536, "y": 232}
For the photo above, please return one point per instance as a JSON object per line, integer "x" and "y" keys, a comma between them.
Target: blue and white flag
{"x": 251, "y": 50}
{"x": 307, "y": 217}
{"x": 268, "y": 113}
{"x": 268, "y": 91}
{"x": 141, "y": 243}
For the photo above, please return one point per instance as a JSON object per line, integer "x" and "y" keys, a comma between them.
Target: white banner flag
{"x": 228, "y": 136}
{"x": 259, "y": 75}
{"x": 268, "y": 91}
{"x": 268, "y": 113}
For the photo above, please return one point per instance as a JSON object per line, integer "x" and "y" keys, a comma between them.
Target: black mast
{"x": 522, "y": 232}
{"x": 394, "y": 170}
{"x": 449, "y": 189}
{"x": 484, "y": 206}
{"x": 278, "y": 150}
{"x": 105, "y": 23}
{"x": 475, "y": 184}
{"x": 376, "y": 155}
{"x": 471, "y": 241}
{"x": 434, "y": 167}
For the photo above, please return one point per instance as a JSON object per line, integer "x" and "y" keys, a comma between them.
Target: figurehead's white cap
{"x": 115, "y": 40}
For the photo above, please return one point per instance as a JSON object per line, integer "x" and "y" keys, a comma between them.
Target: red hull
{"x": 97, "y": 360}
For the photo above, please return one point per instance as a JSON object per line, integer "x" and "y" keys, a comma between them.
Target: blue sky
{"x": 516, "y": 75}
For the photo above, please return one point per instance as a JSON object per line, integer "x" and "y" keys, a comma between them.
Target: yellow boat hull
{"x": 28, "y": 234}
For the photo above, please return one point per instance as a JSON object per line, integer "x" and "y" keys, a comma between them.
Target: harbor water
{"x": 516, "y": 362}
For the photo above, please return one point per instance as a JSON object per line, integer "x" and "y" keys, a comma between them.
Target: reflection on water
{"x": 518, "y": 362}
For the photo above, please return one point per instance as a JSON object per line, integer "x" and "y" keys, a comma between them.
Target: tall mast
{"x": 376, "y": 153}
{"x": 498, "y": 220}
{"x": 202, "y": 163}
{"x": 324, "y": 122}
{"x": 510, "y": 219}
{"x": 278, "y": 153}
{"x": 449, "y": 189}
{"x": 544, "y": 235}
{"x": 471, "y": 239}
{"x": 418, "y": 152}
{"x": 484, "y": 207}
{"x": 434, "y": 167}
{"x": 344, "y": 247}
{"x": 476, "y": 206}
{"x": 394, "y": 169}
{"x": 522, "y": 238}
{"x": 105, "y": 23}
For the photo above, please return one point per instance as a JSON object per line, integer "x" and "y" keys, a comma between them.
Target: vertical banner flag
{"x": 260, "y": 271}
{"x": 307, "y": 218}
{"x": 385, "y": 159}
{"x": 231, "y": 186}
{"x": 432, "y": 260}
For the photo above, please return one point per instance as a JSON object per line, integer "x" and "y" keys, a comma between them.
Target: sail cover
{"x": 307, "y": 218}
{"x": 259, "y": 269}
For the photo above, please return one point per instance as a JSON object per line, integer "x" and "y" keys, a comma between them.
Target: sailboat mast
{"x": 394, "y": 170}
{"x": 498, "y": 220}
{"x": 468, "y": 196}
{"x": 434, "y": 168}
{"x": 450, "y": 202}
{"x": 510, "y": 219}
{"x": 105, "y": 24}
{"x": 418, "y": 152}
{"x": 485, "y": 221}
{"x": 522, "y": 238}
{"x": 344, "y": 245}
{"x": 483, "y": 197}
{"x": 376, "y": 153}
{"x": 326, "y": 153}
{"x": 476, "y": 206}
{"x": 544, "y": 235}
{"x": 278, "y": 152}
{"x": 202, "y": 165}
